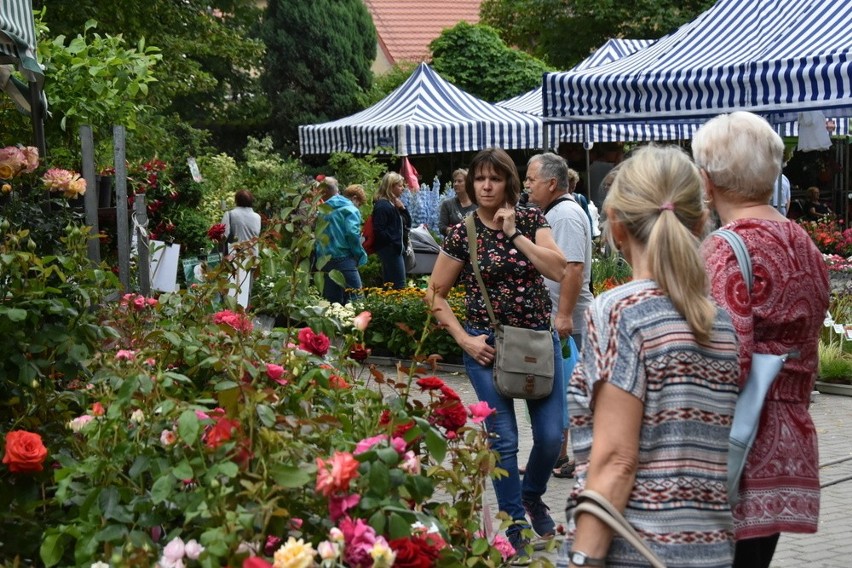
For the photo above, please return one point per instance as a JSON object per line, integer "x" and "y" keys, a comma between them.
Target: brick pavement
{"x": 830, "y": 547}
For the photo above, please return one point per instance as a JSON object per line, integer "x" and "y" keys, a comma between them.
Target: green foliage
{"x": 47, "y": 329}
{"x": 96, "y": 80}
{"x": 539, "y": 26}
{"x": 398, "y": 315}
{"x": 835, "y": 364}
{"x": 271, "y": 177}
{"x": 317, "y": 64}
{"x": 608, "y": 271}
{"x": 366, "y": 170}
{"x": 475, "y": 59}
{"x": 207, "y": 77}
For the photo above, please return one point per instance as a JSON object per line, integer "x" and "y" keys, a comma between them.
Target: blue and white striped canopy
{"x": 765, "y": 56}
{"x": 425, "y": 115}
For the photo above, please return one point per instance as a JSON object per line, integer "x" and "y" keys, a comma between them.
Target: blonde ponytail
{"x": 657, "y": 194}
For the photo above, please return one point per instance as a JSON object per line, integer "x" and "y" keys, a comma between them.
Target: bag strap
{"x": 470, "y": 225}
{"x": 741, "y": 252}
{"x": 592, "y": 502}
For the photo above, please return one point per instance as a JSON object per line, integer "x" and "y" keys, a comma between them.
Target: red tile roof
{"x": 407, "y": 27}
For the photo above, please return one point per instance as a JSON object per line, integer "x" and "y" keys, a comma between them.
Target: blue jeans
{"x": 393, "y": 267}
{"x": 332, "y": 291}
{"x": 546, "y": 418}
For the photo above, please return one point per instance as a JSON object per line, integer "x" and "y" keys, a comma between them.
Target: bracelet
{"x": 514, "y": 236}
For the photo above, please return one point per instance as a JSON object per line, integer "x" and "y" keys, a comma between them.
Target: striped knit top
{"x": 638, "y": 342}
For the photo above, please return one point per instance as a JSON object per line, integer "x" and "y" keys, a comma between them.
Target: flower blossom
{"x": 502, "y": 544}
{"x": 294, "y": 554}
{"x": 25, "y": 452}
{"x": 98, "y": 409}
{"x": 216, "y": 232}
{"x": 77, "y": 424}
{"x": 316, "y": 343}
{"x": 359, "y": 541}
{"x": 339, "y": 506}
{"x": 335, "y": 474}
{"x": 480, "y": 411}
{"x": 362, "y": 320}
{"x": 410, "y": 463}
{"x": 240, "y": 322}
{"x": 193, "y": 549}
{"x": 125, "y": 355}
{"x": 12, "y": 162}
{"x": 275, "y": 372}
{"x": 167, "y": 437}
{"x": 137, "y": 416}
{"x": 173, "y": 553}
{"x": 382, "y": 554}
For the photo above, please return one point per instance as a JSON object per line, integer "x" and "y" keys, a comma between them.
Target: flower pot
{"x": 834, "y": 388}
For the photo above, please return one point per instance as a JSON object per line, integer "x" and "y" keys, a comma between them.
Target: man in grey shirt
{"x": 547, "y": 185}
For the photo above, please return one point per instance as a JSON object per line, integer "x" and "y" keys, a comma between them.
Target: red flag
{"x": 410, "y": 175}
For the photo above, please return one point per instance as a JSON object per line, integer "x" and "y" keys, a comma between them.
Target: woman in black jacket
{"x": 391, "y": 223}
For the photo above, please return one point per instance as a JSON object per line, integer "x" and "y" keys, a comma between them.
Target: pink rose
{"x": 480, "y": 411}
{"x": 275, "y": 372}
{"x": 362, "y": 320}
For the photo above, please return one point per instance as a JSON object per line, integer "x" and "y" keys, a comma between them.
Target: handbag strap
{"x": 470, "y": 225}
{"x": 741, "y": 252}
{"x": 596, "y": 504}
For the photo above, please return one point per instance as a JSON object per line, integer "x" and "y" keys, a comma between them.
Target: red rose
{"x": 413, "y": 552}
{"x": 256, "y": 562}
{"x": 216, "y": 232}
{"x": 359, "y": 352}
{"x": 221, "y": 432}
{"x": 25, "y": 452}
{"x": 316, "y": 343}
{"x": 450, "y": 414}
{"x": 430, "y": 383}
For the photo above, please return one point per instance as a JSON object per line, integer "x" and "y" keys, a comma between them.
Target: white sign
{"x": 163, "y": 265}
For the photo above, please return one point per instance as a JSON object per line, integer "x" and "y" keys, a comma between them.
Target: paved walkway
{"x": 830, "y": 547}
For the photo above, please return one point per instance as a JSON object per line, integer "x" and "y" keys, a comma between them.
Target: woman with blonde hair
{"x": 391, "y": 224}
{"x": 740, "y": 156}
{"x": 653, "y": 395}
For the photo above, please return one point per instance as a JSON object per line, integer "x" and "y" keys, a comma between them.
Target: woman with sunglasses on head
{"x": 515, "y": 248}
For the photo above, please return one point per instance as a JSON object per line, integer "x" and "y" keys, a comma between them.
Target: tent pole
{"x": 37, "y": 116}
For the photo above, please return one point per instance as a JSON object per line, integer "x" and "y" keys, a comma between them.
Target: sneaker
{"x": 540, "y": 518}
{"x": 519, "y": 542}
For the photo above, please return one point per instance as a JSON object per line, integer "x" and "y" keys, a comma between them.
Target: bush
{"x": 398, "y": 317}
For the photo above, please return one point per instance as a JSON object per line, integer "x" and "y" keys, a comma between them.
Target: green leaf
{"x": 188, "y": 426}
{"x": 480, "y": 546}
{"x": 292, "y": 477}
{"x": 399, "y": 527}
{"x": 377, "y": 521}
{"x": 229, "y": 469}
{"x": 436, "y": 444}
{"x": 183, "y": 470}
{"x": 52, "y": 548}
{"x": 140, "y": 466}
{"x": 162, "y": 489}
{"x": 379, "y": 479}
{"x": 14, "y": 314}
{"x": 266, "y": 415}
{"x": 226, "y": 385}
{"x": 111, "y": 533}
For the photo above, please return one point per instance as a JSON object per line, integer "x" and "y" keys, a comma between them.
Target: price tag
{"x": 838, "y": 328}
{"x": 849, "y": 334}
{"x": 828, "y": 322}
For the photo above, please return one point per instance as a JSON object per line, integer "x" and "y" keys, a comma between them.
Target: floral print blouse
{"x": 516, "y": 289}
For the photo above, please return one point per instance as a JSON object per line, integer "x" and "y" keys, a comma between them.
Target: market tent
{"x": 425, "y": 115}
{"x": 767, "y": 56}
{"x": 612, "y": 50}
{"x": 18, "y": 49}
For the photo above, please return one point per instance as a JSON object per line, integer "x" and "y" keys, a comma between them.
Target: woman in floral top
{"x": 514, "y": 249}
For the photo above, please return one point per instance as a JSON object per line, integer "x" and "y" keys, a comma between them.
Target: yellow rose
{"x": 294, "y": 554}
{"x": 7, "y": 171}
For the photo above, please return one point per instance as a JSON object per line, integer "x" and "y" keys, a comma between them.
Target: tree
{"x": 475, "y": 59}
{"x": 317, "y": 64}
{"x": 564, "y": 32}
{"x": 208, "y": 73}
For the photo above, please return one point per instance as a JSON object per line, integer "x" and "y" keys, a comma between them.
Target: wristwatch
{"x": 578, "y": 558}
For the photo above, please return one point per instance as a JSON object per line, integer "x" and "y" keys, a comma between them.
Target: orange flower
{"x": 25, "y": 452}
{"x": 335, "y": 474}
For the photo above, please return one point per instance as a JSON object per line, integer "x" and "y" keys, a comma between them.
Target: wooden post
{"x": 142, "y": 242}
{"x": 90, "y": 199}
{"x": 122, "y": 224}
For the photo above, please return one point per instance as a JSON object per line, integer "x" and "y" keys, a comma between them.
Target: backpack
{"x": 369, "y": 240}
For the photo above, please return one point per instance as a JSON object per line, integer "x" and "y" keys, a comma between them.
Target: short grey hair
{"x": 552, "y": 166}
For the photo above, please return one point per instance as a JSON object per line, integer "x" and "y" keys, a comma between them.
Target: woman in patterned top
{"x": 514, "y": 248}
{"x": 741, "y": 156}
{"x": 652, "y": 398}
